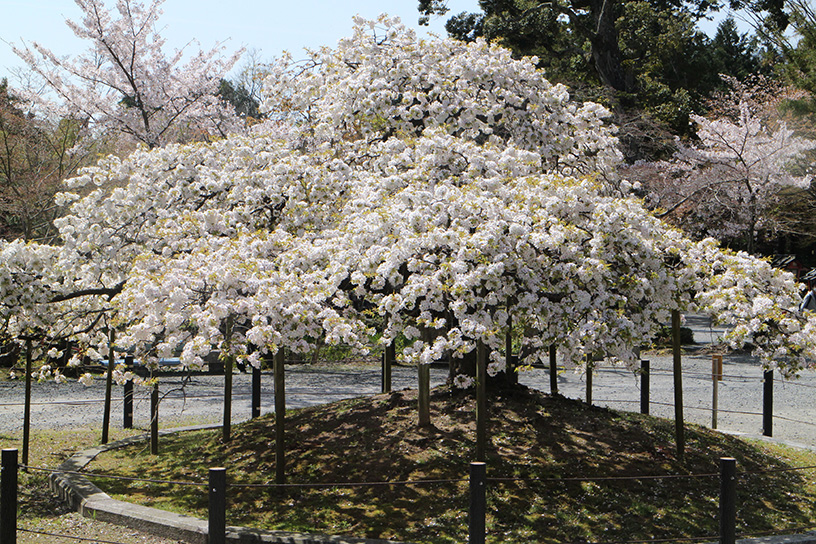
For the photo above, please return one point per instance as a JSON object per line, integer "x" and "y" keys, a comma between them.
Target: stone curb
{"x": 90, "y": 501}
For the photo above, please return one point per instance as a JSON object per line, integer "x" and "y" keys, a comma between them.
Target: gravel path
{"x": 740, "y": 393}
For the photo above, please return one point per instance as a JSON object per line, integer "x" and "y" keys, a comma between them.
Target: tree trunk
{"x": 606, "y": 54}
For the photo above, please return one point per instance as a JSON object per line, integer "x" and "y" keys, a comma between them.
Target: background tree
{"x": 796, "y": 43}
{"x": 248, "y": 82}
{"x": 36, "y": 154}
{"x": 728, "y": 185}
{"x": 239, "y": 97}
{"x": 738, "y": 55}
{"x": 652, "y": 66}
{"x": 552, "y": 29}
{"x": 126, "y": 83}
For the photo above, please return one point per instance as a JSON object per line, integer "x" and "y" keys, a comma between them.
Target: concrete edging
{"x": 90, "y": 501}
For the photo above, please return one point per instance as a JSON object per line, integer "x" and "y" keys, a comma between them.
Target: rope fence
{"x": 217, "y": 488}
{"x": 179, "y": 393}
{"x": 68, "y": 537}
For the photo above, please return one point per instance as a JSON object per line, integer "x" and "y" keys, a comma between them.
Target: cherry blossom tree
{"x": 728, "y": 184}
{"x": 430, "y": 186}
{"x": 126, "y": 82}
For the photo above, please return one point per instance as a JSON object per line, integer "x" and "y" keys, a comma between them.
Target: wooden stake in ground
{"x": 280, "y": 418}
{"x": 27, "y": 407}
{"x": 678, "y": 386}
{"x": 108, "y": 388}
{"x": 481, "y": 401}
{"x": 228, "y": 360}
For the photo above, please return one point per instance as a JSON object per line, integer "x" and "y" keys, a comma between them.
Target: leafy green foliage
{"x": 237, "y": 96}
{"x": 646, "y": 59}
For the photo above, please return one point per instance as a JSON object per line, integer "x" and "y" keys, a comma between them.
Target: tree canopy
{"x": 399, "y": 186}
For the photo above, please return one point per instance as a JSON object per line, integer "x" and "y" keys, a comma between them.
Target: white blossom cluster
{"x": 463, "y": 202}
{"x": 383, "y": 82}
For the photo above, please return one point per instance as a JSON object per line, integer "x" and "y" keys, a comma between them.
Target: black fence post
{"x": 645, "y": 367}
{"x": 8, "y": 497}
{"x": 217, "y": 519}
{"x": 767, "y": 403}
{"x": 256, "y": 392}
{"x": 728, "y": 500}
{"x": 478, "y": 503}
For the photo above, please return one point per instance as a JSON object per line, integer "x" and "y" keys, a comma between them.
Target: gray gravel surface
{"x": 740, "y": 398}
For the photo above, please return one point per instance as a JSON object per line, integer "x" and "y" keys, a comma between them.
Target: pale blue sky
{"x": 269, "y": 26}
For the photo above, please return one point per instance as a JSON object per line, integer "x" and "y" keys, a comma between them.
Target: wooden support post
{"x": 27, "y": 407}
{"x": 229, "y": 360}
{"x": 553, "y": 370}
{"x": 645, "y": 383}
{"x": 716, "y": 378}
{"x": 256, "y": 392}
{"x": 509, "y": 360}
{"x": 127, "y": 405}
{"x": 154, "y": 420}
{"x": 106, "y": 412}
{"x": 389, "y": 354}
{"x": 767, "y": 403}
{"x": 679, "y": 425}
{"x": 481, "y": 401}
{"x": 280, "y": 418}
{"x": 424, "y": 403}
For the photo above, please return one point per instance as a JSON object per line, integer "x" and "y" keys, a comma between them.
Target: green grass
{"x": 47, "y": 449}
{"x": 540, "y": 442}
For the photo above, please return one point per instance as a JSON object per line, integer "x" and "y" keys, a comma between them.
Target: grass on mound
{"x": 548, "y": 448}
